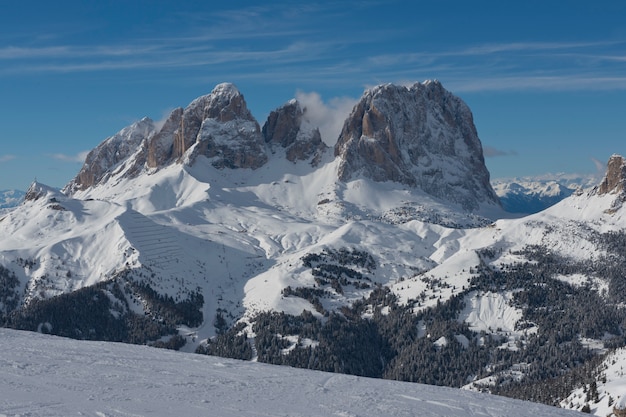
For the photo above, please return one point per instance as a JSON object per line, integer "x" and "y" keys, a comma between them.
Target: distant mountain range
{"x": 389, "y": 255}
{"x": 10, "y": 198}
{"x": 527, "y": 195}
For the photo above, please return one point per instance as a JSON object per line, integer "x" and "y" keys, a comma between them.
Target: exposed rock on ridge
{"x": 219, "y": 125}
{"x": 35, "y": 191}
{"x": 422, "y": 136}
{"x": 615, "y": 179}
{"x": 103, "y": 159}
{"x": 289, "y": 128}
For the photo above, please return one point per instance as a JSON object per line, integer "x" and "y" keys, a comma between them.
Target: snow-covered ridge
{"x": 609, "y": 391}
{"x": 103, "y": 161}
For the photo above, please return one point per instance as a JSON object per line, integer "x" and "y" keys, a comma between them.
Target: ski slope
{"x": 50, "y": 376}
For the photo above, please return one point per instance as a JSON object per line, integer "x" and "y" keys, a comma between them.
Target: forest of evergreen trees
{"x": 389, "y": 345}
{"x": 102, "y": 312}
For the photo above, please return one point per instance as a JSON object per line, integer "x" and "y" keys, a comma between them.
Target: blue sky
{"x": 546, "y": 80}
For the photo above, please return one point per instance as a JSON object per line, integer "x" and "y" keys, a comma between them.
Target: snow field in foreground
{"x": 49, "y": 376}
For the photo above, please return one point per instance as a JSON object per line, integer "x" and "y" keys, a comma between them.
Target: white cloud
{"x": 329, "y": 117}
{"x": 79, "y": 157}
{"x": 7, "y": 158}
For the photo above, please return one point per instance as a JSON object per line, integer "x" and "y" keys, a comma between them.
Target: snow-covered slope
{"x": 609, "y": 391}
{"x": 50, "y": 376}
{"x": 237, "y": 235}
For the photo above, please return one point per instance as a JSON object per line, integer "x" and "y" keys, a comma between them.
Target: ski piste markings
{"x": 154, "y": 241}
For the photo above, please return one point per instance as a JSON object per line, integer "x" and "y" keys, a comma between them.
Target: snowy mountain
{"x": 530, "y": 195}
{"x": 212, "y": 234}
{"x": 180, "y": 215}
{"x": 107, "y": 379}
{"x": 10, "y": 199}
{"x": 420, "y": 136}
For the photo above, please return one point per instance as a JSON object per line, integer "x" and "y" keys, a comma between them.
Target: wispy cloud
{"x": 79, "y": 157}
{"x": 300, "y": 43}
{"x": 7, "y": 158}
{"x": 165, "y": 56}
{"x": 506, "y": 47}
{"x": 563, "y": 82}
{"x": 247, "y": 41}
{"x": 491, "y": 152}
{"x": 517, "y": 65}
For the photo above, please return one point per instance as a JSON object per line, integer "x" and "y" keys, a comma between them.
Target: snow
{"x": 611, "y": 386}
{"x": 50, "y": 376}
{"x": 489, "y": 312}
{"x": 226, "y": 89}
{"x": 580, "y": 280}
{"x": 240, "y": 235}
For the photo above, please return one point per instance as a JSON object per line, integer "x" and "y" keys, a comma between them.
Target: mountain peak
{"x": 36, "y": 190}
{"x": 218, "y": 125}
{"x": 421, "y": 136}
{"x": 114, "y": 150}
{"x": 226, "y": 89}
{"x": 615, "y": 179}
{"x": 289, "y": 128}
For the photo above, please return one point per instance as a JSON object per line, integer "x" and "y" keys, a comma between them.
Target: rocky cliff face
{"x": 422, "y": 136}
{"x": 218, "y": 125}
{"x": 103, "y": 159}
{"x": 289, "y": 128}
{"x": 615, "y": 179}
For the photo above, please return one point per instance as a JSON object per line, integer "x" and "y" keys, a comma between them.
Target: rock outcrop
{"x": 421, "y": 136}
{"x": 103, "y": 159}
{"x": 218, "y": 126}
{"x": 289, "y": 128}
{"x": 615, "y": 179}
{"x": 37, "y": 190}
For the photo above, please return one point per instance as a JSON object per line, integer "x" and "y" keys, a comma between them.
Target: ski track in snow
{"x": 49, "y": 376}
{"x": 161, "y": 249}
